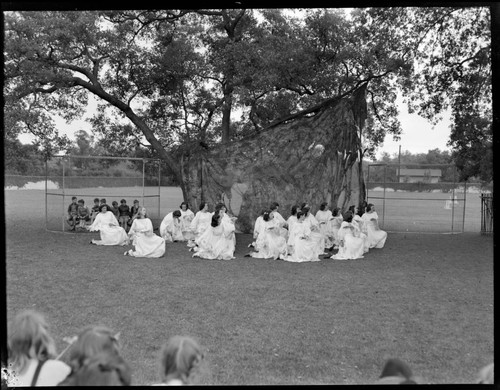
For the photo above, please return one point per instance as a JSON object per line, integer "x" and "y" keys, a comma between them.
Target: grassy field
{"x": 427, "y": 299}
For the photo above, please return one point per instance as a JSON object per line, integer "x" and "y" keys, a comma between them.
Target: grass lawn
{"x": 427, "y": 299}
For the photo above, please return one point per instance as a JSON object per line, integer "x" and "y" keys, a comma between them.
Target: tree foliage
{"x": 180, "y": 76}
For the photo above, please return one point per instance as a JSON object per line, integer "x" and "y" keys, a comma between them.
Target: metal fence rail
{"x": 486, "y": 213}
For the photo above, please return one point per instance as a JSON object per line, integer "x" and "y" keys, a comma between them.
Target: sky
{"x": 418, "y": 134}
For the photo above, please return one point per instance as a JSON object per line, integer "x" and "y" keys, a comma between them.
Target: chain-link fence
{"x": 425, "y": 198}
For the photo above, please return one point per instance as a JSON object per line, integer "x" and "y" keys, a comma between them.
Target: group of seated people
{"x": 306, "y": 237}
{"x": 94, "y": 359}
{"x": 211, "y": 235}
{"x": 81, "y": 216}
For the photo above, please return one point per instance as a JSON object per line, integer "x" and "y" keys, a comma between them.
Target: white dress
{"x": 376, "y": 237}
{"x": 186, "y": 219}
{"x": 351, "y": 244}
{"x": 325, "y": 226}
{"x": 358, "y": 221}
{"x": 52, "y": 373}
{"x": 304, "y": 248}
{"x": 281, "y": 222}
{"x": 110, "y": 230}
{"x": 147, "y": 244}
{"x": 200, "y": 223}
{"x": 270, "y": 243}
{"x": 170, "y": 228}
{"x": 256, "y": 229}
{"x": 315, "y": 234}
{"x": 216, "y": 242}
{"x": 292, "y": 220}
{"x": 335, "y": 227}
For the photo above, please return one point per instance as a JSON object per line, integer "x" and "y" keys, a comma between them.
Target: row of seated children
{"x": 80, "y": 215}
{"x": 95, "y": 359}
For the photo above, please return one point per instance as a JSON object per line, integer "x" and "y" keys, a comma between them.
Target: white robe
{"x": 270, "y": 243}
{"x": 110, "y": 230}
{"x": 358, "y": 221}
{"x": 351, "y": 244}
{"x": 376, "y": 236}
{"x": 200, "y": 223}
{"x": 147, "y": 244}
{"x": 186, "y": 219}
{"x": 216, "y": 242}
{"x": 324, "y": 218}
{"x": 315, "y": 234}
{"x": 170, "y": 228}
{"x": 282, "y": 224}
{"x": 292, "y": 220}
{"x": 304, "y": 248}
{"x": 335, "y": 224}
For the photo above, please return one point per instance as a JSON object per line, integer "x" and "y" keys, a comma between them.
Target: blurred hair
{"x": 303, "y": 205}
{"x": 177, "y": 213}
{"x": 323, "y": 205}
{"x": 91, "y": 341}
{"x": 266, "y": 216}
{"x": 202, "y": 205}
{"x": 300, "y": 214}
{"x": 96, "y": 200}
{"x": 73, "y": 198}
{"x": 123, "y": 201}
{"x": 104, "y": 205}
{"x": 136, "y": 201}
{"x": 29, "y": 330}
{"x": 81, "y": 201}
{"x": 215, "y": 219}
{"x": 178, "y": 357}
{"x": 352, "y": 208}
{"x": 187, "y": 206}
{"x": 102, "y": 369}
{"x": 274, "y": 205}
{"x": 369, "y": 207}
{"x": 396, "y": 367}
{"x": 103, "y": 200}
{"x": 335, "y": 211}
{"x": 348, "y": 215}
{"x": 305, "y": 210}
{"x": 486, "y": 374}
{"x": 294, "y": 209}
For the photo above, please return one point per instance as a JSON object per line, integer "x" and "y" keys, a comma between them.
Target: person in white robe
{"x": 170, "y": 227}
{"x": 376, "y": 236}
{"x": 216, "y": 242}
{"x": 324, "y": 217}
{"x": 335, "y": 223}
{"x": 283, "y": 226}
{"x": 226, "y": 218}
{"x": 146, "y": 243}
{"x": 315, "y": 235}
{"x": 351, "y": 244}
{"x": 200, "y": 223}
{"x": 292, "y": 220}
{"x": 357, "y": 220}
{"x": 186, "y": 218}
{"x": 256, "y": 228}
{"x": 270, "y": 243}
{"x": 110, "y": 230}
{"x": 304, "y": 248}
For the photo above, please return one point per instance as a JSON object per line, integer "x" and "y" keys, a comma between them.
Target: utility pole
{"x": 399, "y": 163}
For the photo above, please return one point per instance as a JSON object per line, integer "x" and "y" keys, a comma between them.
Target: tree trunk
{"x": 283, "y": 164}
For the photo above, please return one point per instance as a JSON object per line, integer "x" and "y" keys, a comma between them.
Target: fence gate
{"x": 486, "y": 213}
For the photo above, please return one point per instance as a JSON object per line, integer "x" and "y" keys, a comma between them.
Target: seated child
{"x": 95, "y": 209}
{"x": 83, "y": 214}
{"x": 133, "y": 212}
{"x": 72, "y": 213}
{"x": 123, "y": 214}
{"x": 114, "y": 208}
